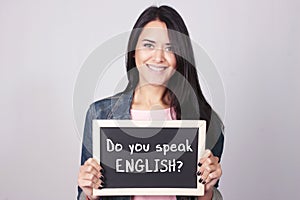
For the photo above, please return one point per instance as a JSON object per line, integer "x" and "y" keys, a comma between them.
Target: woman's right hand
{"x": 89, "y": 177}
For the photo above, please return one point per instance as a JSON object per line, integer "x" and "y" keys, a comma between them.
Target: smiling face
{"x": 154, "y": 57}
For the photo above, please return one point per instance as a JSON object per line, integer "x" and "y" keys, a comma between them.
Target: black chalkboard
{"x": 149, "y": 158}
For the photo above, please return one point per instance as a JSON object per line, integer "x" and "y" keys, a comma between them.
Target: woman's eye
{"x": 148, "y": 45}
{"x": 169, "y": 48}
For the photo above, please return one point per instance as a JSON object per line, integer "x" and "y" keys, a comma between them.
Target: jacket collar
{"x": 121, "y": 106}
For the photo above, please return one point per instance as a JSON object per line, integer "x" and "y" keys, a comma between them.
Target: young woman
{"x": 163, "y": 80}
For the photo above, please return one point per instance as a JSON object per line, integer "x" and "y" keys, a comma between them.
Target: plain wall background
{"x": 254, "y": 44}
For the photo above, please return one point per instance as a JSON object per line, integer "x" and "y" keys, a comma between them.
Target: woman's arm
{"x": 90, "y": 173}
{"x": 209, "y": 171}
{"x": 89, "y": 177}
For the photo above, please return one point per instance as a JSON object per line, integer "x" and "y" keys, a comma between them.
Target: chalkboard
{"x": 149, "y": 157}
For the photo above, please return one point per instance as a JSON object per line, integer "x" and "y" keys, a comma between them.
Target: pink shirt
{"x": 164, "y": 114}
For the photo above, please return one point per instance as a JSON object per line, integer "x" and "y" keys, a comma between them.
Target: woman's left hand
{"x": 210, "y": 170}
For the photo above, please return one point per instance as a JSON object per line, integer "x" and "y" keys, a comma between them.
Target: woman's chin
{"x": 155, "y": 83}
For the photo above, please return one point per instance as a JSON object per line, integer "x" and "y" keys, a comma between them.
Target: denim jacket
{"x": 118, "y": 107}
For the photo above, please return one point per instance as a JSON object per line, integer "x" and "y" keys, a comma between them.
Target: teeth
{"x": 158, "y": 69}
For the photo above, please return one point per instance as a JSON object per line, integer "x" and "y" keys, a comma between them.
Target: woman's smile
{"x": 156, "y": 68}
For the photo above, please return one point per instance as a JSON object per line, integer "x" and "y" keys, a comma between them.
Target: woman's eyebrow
{"x": 151, "y": 41}
{"x": 147, "y": 40}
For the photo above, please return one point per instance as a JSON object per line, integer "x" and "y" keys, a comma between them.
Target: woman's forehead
{"x": 156, "y": 31}
{"x": 156, "y": 24}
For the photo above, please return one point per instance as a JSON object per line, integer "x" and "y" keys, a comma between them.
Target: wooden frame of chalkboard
{"x": 173, "y": 178}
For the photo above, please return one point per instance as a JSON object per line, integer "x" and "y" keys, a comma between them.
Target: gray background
{"x": 254, "y": 44}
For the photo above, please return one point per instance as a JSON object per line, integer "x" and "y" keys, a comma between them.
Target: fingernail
{"x": 102, "y": 178}
{"x": 203, "y": 182}
{"x": 100, "y": 187}
{"x": 200, "y": 180}
{"x": 198, "y": 173}
{"x": 101, "y": 170}
{"x": 199, "y": 164}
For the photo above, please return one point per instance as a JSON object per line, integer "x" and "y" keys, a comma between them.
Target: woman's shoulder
{"x": 108, "y": 101}
{"x": 103, "y": 107}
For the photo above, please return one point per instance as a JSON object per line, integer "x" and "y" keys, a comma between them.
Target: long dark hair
{"x": 185, "y": 93}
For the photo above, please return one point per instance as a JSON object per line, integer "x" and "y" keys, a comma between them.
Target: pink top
{"x": 164, "y": 114}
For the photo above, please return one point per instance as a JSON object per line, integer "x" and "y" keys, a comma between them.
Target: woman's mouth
{"x": 156, "y": 68}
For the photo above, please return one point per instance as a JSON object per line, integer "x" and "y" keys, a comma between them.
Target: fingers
{"x": 216, "y": 174}
{"x": 209, "y": 169}
{"x": 92, "y": 162}
{"x": 207, "y": 154}
{"x": 213, "y": 160}
{"x": 90, "y": 176}
{"x": 91, "y": 167}
{"x": 210, "y": 172}
{"x": 89, "y": 184}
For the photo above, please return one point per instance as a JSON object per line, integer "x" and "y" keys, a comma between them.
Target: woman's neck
{"x": 150, "y": 97}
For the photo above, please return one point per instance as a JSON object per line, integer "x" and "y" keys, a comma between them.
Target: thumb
{"x": 206, "y": 155}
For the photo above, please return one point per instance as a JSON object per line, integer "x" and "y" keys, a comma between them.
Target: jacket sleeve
{"x": 87, "y": 148}
{"x": 217, "y": 194}
{"x": 215, "y": 137}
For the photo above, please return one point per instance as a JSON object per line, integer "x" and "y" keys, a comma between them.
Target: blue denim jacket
{"x": 118, "y": 107}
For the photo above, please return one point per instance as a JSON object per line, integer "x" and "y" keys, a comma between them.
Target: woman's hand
{"x": 89, "y": 177}
{"x": 209, "y": 170}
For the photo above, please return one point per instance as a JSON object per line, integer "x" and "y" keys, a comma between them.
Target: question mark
{"x": 180, "y": 164}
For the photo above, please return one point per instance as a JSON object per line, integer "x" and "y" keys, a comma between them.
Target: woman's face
{"x": 154, "y": 57}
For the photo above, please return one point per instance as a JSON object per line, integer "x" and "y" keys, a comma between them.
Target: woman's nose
{"x": 158, "y": 55}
